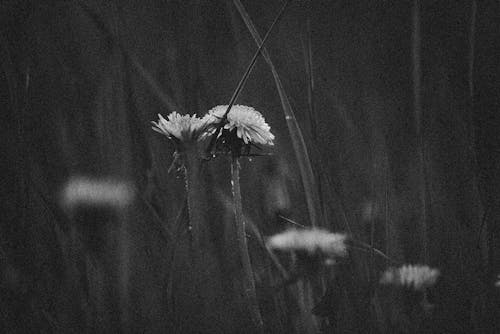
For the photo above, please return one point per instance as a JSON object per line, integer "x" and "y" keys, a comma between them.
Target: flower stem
{"x": 248, "y": 281}
{"x": 195, "y": 195}
{"x": 192, "y": 305}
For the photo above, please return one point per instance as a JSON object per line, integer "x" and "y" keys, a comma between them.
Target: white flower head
{"x": 250, "y": 125}
{"x": 183, "y": 128}
{"x": 418, "y": 277}
{"x": 96, "y": 192}
{"x": 310, "y": 241}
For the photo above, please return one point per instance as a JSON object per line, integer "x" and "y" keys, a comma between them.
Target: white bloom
{"x": 250, "y": 125}
{"x": 88, "y": 191}
{"x": 309, "y": 240}
{"x": 417, "y": 277}
{"x": 181, "y": 127}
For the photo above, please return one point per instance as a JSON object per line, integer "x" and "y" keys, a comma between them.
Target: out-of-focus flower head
{"x": 310, "y": 241}
{"x": 497, "y": 283}
{"x": 180, "y": 128}
{"x": 417, "y": 277}
{"x": 249, "y": 124}
{"x": 96, "y": 192}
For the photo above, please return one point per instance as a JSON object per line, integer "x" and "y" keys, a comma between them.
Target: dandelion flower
{"x": 96, "y": 192}
{"x": 310, "y": 241}
{"x": 417, "y": 277}
{"x": 250, "y": 125}
{"x": 182, "y": 128}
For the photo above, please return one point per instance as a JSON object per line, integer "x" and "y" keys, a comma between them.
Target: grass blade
{"x": 164, "y": 232}
{"x": 251, "y": 226}
{"x": 248, "y": 278}
{"x": 249, "y": 69}
{"x": 297, "y": 138}
{"x": 243, "y": 80}
{"x": 417, "y": 99}
{"x": 131, "y": 59}
{"x": 8, "y": 68}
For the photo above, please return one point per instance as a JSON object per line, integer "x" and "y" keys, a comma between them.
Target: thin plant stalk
{"x": 298, "y": 142}
{"x": 243, "y": 80}
{"x": 195, "y": 194}
{"x": 472, "y": 136}
{"x": 373, "y": 197}
{"x": 164, "y": 231}
{"x": 369, "y": 248}
{"x": 248, "y": 279}
{"x": 255, "y": 231}
{"x": 417, "y": 100}
{"x": 472, "y": 33}
{"x": 249, "y": 69}
{"x": 116, "y": 40}
{"x": 310, "y": 75}
{"x": 312, "y": 112}
{"x": 388, "y": 227}
{"x": 192, "y": 303}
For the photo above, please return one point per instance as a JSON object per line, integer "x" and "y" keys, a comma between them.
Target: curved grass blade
{"x": 249, "y": 69}
{"x": 115, "y": 40}
{"x": 298, "y": 143}
{"x": 248, "y": 280}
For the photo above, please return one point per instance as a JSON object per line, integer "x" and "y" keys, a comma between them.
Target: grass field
{"x": 348, "y": 183}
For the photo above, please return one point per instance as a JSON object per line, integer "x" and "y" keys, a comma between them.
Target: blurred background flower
{"x": 311, "y": 241}
{"x": 417, "y": 277}
{"x": 96, "y": 192}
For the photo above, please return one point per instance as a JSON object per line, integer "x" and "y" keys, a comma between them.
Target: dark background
{"x": 389, "y": 151}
